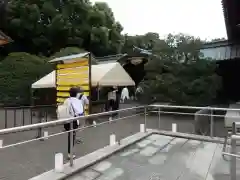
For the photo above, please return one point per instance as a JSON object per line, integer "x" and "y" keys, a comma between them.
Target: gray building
{"x": 221, "y": 50}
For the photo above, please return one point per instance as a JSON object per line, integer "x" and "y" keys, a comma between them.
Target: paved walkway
{"x": 163, "y": 157}
{"x": 28, "y": 160}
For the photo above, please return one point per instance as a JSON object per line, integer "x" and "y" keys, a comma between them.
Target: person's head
{"x": 73, "y": 91}
{"x": 80, "y": 90}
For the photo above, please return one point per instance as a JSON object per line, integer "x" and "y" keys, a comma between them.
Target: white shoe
{"x": 78, "y": 141}
{"x": 74, "y": 156}
{"x": 94, "y": 123}
{"x": 110, "y": 119}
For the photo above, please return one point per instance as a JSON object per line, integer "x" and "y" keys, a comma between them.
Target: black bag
{"x": 75, "y": 124}
{"x": 67, "y": 126}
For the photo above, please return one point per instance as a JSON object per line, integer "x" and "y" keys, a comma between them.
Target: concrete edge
{"x": 189, "y": 136}
{"x": 101, "y": 154}
{"x": 92, "y": 158}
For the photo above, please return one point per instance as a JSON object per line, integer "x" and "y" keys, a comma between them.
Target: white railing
{"x": 144, "y": 110}
{"x": 234, "y": 154}
{"x": 64, "y": 121}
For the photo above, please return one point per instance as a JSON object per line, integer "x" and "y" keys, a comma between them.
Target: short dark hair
{"x": 73, "y": 92}
{"x": 80, "y": 89}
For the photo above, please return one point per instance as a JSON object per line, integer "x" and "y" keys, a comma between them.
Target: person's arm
{"x": 66, "y": 102}
{"x": 85, "y": 99}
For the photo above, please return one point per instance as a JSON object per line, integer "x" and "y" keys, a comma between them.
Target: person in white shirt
{"x": 81, "y": 96}
{"x": 124, "y": 94}
{"x": 138, "y": 92}
{"x": 112, "y": 100}
{"x": 76, "y": 109}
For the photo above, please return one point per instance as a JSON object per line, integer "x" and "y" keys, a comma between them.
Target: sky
{"x": 200, "y": 18}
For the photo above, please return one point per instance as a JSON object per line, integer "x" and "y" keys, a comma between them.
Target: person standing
{"x": 112, "y": 101}
{"x": 138, "y": 92}
{"x": 75, "y": 109}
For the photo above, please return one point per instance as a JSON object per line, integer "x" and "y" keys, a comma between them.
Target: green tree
{"x": 178, "y": 83}
{"x": 68, "y": 51}
{"x": 185, "y": 48}
{"x": 48, "y": 28}
{"x": 147, "y": 41}
{"x": 3, "y": 4}
{"x": 105, "y": 32}
{"x": 17, "y": 72}
{"x": 178, "y": 75}
{"x": 44, "y": 27}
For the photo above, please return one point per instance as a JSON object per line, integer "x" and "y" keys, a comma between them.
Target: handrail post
{"x": 211, "y": 124}
{"x": 31, "y": 115}
{"x": 23, "y": 117}
{"x": 40, "y": 129}
{"x": 233, "y": 162}
{"x": 159, "y": 118}
{"x": 46, "y": 114}
{"x": 71, "y": 144}
{"x": 14, "y": 118}
{"x": 6, "y": 118}
{"x": 145, "y": 119}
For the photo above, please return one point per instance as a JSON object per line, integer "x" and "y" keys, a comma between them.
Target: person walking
{"x": 75, "y": 109}
{"x": 85, "y": 102}
{"x": 124, "y": 94}
{"x": 83, "y": 98}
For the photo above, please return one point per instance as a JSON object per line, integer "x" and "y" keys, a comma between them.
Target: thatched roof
{"x": 4, "y": 39}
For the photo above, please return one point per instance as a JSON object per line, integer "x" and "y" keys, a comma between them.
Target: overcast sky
{"x": 203, "y": 18}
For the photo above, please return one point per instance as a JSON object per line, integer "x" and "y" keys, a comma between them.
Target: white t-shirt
{"x": 83, "y": 99}
{"x": 112, "y": 95}
{"x": 125, "y": 93}
{"x": 76, "y": 104}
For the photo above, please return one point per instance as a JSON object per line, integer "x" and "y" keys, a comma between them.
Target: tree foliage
{"x": 43, "y": 29}
{"x": 178, "y": 74}
{"x": 45, "y": 26}
{"x": 17, "y": 72}
{"x": 180, "y": 83}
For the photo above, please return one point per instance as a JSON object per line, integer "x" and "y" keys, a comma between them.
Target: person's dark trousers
{"x": 89, "y": 121}
{"x": 74, "y": 139}
{"x": 116, "y": 105}
{"x": 114, "y": 108}
{"x": 67, "y": 128}
{"x": 109, "y": 105}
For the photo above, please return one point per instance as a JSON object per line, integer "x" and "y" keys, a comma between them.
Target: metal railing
{"x": 24, "y": 115}
{"x": 64, "y": 121}
{"x": 142, "y": 110}
{"x": 201, "y": 113}
{"x": 209, "y": 113}
{"x": 234, "y": 154}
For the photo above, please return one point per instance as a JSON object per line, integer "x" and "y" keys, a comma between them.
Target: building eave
{"x": 4, "y": 39}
